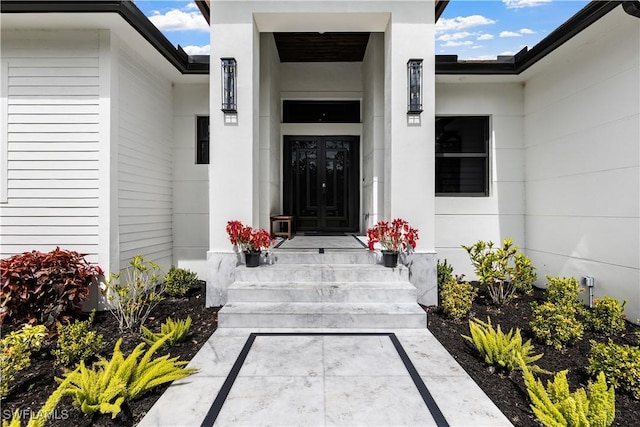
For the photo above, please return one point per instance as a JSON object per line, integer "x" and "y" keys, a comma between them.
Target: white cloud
{"x": 485, "y": 37}
{"x": 452, "y": 43}
{"x": 526, "y": 31}
{"x": 518, "y": 4}
{"x": 197, "y": 50}
{"x": 178, "y": 20}
{"x": 191, "y": 6}
{"x": 461, "y": 22}
{"x": 510, "y": 34}
{"x": 454, "y": 36}
{"x": 507, "y": 53}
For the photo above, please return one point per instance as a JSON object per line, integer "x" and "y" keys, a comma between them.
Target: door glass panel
{"x": 320, "y": 188}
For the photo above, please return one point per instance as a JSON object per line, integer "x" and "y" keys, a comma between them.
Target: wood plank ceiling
{"x": 321, "y": 47}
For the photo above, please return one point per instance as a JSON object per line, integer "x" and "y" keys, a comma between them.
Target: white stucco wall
{"x": 465, "y": 220}
{"x": 582, "y": 140}
{"x": 190, "y": 180}
{"x": 144, "y": 151}
{"x": 373, "y": 132}
{"x": 409, "y": 185}
{"x": 270, "y": 141}
{"x": 51, "y": 146}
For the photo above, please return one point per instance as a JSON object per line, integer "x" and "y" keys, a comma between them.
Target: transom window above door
{"x": 320, "y": 111}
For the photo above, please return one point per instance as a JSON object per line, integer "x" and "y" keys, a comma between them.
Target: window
{"x": 462, "y": 156}
{"x": 202, "y": 140}
{"x": 321, "y": 111}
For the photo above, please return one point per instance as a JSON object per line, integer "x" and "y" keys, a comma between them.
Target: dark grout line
{"x": 220, "y": 399}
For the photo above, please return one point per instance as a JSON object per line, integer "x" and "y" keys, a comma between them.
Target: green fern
{"x": 500, "y": 349}
{"x": 176, "y": 330}
{"x": 556, "y": 406}
{"x": 110, "y": 383}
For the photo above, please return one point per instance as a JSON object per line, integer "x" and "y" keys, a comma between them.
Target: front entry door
{"x": 321, "y": 182}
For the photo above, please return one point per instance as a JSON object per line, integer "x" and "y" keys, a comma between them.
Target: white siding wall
{"x": 52, "y": 142}
{"x": 465, "y": 220}
{"x": 145, "y": 134}
{"x": 582, "y": 159}
{"x": 191, "y": 181}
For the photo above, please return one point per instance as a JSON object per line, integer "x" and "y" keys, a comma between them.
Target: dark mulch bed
{"x": 36, "y": 383}
{"x": 508, "y": 391}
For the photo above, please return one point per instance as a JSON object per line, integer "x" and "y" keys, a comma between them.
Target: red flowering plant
{"x": 397, "y": 236}
{"x": 248, "y": 239}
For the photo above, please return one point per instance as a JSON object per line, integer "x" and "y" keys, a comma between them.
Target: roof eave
{"x": 129, "y": 12}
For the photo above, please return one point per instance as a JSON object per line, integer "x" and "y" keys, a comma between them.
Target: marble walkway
{"x": 336, "y": 377}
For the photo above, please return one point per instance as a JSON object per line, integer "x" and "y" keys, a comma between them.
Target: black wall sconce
{"x": 229, "y": 85}
{"x": 414, "y": 86}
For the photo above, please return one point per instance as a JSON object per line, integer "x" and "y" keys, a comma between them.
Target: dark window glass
{"x": 462, "y": 156}
{"x": 202, "y": 140}
{"x": 321, "y": 111}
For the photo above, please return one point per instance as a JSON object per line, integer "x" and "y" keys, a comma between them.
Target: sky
{"x": 471, "y": 29}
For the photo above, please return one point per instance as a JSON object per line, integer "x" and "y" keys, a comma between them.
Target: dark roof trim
{"x": 632, "y": 8}
{"x": 203, "y": 5}
{"x": 129, "y": 12}
{"x": 448, "y": 64}
{"x": 441, "y": 5}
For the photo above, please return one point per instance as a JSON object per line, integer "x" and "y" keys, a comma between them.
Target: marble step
{"x": 322, "y": 315}
{"x": 351, "y": 292}
{"x": 305, "y": 273}
{"x": 330, "y": 256}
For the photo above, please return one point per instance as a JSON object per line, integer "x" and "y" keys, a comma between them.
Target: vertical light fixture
{"x": 229, "y": 85}
{"x": 414, "y": 86}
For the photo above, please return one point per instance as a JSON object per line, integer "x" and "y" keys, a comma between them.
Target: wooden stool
{"x": 277, "y": 221}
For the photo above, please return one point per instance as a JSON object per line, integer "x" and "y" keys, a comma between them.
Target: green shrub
{"x": 557, "y": 406}
{"x": 457, "y": 298}
{"x": 555, "y": 322}
{"x": 445, "y": 273}
{"x": 606, "y": 316}
{"x": 620, "y": 364}
{"x": 563, "y": 291}
{"x": 77, "y": 342}
{"x": 555, "y": 325}
{"x": 503, "y": 271}
{"x": 177, "y": 332}
{"x": 504, "y": 351}
{"x": 43, "y": 287}
{"x": 132, "y": 299}
{"x": 110, "y": 383}
{"x": 179, "y": 280}
{"x": 15, "y": 353}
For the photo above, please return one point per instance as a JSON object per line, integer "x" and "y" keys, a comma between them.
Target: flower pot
{"x": 252, "y": 259}
{"x": 390, "y": 259}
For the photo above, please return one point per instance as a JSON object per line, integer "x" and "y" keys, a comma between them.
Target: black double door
{"x": 321, "y": 188}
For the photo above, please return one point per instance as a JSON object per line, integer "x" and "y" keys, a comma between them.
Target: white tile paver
{"x": 324, "y": 380}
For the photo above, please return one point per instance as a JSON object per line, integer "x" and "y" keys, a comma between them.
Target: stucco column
{"x": 409, "y": 141}
{"x": 233, "y": 143}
